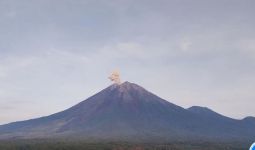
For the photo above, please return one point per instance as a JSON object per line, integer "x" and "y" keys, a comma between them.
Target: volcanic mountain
{"x": 128, "y": 112}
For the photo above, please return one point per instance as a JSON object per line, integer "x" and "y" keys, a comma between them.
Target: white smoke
{"x": 115, "y": 77}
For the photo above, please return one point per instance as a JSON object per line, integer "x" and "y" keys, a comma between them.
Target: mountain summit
{"x": 128, "y": 112}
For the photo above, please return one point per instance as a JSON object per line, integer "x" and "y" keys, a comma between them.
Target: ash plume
{"x": 115, "y": 77}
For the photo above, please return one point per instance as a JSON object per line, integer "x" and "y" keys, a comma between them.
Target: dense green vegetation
{"x": 83, "y": 145}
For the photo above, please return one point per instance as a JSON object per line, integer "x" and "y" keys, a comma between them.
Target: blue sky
{"x": 56, "y": 53}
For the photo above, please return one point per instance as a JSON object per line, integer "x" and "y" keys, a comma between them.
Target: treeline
{"x": 82, "y": 145}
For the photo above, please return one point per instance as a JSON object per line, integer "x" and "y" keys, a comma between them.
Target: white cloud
{"x": 50, "y": 54}
{"x": 185, "y": 44}
{"x": 124, "y": 50}
{"x": 11, "y": 14}
{"x": 247, "y": 46}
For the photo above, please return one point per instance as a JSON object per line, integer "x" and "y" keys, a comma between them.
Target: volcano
{"x": 128, "y": 112}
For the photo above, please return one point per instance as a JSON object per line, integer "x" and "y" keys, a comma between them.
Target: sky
{"x": 56, "y": 53}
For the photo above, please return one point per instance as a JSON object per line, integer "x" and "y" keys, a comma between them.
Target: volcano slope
{"x": 128, "y": 112}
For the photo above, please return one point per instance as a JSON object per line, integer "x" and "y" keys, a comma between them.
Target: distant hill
{"x": 128, "y": 112}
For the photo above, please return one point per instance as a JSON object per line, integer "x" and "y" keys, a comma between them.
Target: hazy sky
{"x": 56, "y": 53}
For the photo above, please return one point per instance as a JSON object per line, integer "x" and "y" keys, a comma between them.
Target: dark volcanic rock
{"x": 129, "y": 112}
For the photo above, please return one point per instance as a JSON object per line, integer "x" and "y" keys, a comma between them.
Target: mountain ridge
{"x": 130, "y": 112}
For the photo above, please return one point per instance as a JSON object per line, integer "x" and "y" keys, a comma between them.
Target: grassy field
{"x": 83, "y": 145}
